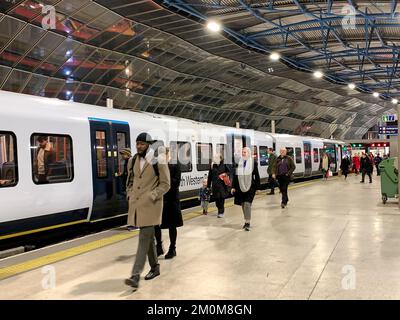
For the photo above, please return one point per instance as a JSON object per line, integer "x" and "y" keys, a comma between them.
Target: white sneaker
{"x": 220, "y": 215}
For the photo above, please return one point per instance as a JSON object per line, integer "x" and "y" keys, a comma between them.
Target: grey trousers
{"x": 204, "y": 205}
{"x": 246, "y": 207}
{"x": 146, "y": 247}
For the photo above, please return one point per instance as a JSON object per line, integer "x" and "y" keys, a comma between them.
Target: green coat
{"x": 271, "y": 163}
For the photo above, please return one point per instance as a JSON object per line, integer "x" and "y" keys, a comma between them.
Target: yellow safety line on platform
{"x": 13, "y": 270}
{"x": 41, "y": 229}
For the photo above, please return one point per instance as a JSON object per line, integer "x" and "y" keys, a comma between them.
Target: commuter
{"x": 344, "y": 166}
{"x": 271, "y": 164}
{"x": 145, "y": 189}
{"x": 204, "y": 195}
{"x": 126, "y": 155}
{"x": 246, "y": 182}
{"x": 45, "y": 156}
{"x": 218, "y": 179}
{"x": 366, "y": 167}
{"x": 171, "y": 214}
{"x": 283, "y": 170}
{"x": 356, "y": 163}
{"x": 325, "y": 164}
{"x": 371, "y": 158}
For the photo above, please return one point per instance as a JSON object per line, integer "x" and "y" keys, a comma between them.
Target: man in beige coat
{"x": 148, "y": 180}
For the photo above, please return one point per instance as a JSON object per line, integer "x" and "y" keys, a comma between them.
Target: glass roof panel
{"x": 68, "y": 7}
{"x": 78, "y": 58}
{"x": 6, "y": 5}
{"x": 8, "y": 28}
{"x": 93, "y": 63}
{"x": 39, "y": 52}
{"x": 35, "y": 85}
{"x": 20, "y": 45}
{"x": 115, "y": 35}
{"x": 59, "y": 56}
{"x": 16, "y": 81}
{"x": 4, "y": 71}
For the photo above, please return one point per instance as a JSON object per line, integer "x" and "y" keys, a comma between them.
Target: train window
{"x": 263, "y": 156}
{"x": 298, "y": 155}
{"x": 181, "y": 153}
{"x": 221, "y": 150}
{"x": 121, "y": 143}
{"x": 204, "y": 156}
{"x": 315, "y": 153}
{"x": 8, "y": 160}
{"x": 52, "y": 160}
{"x": 101, "y": 154}
{"x": 255, "y": 153}
{"x": 290, "y": 152}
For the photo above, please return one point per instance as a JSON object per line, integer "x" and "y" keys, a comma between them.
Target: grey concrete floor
{"x": 335, "y": 240}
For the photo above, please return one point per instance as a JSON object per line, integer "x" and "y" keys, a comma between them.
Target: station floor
{"x": 335, "y": 240}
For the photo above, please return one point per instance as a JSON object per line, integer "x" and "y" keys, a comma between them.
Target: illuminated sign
{"x": 388, "y": 130}
{"x": 389, "y": 117}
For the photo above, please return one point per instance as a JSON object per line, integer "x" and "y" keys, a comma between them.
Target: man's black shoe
{"x": 154, "y": 272}
{"x": 171, "y": 253}
{"x": 133, "y": 281}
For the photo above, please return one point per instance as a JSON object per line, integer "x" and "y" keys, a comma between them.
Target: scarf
{"x": 245, "y": 173}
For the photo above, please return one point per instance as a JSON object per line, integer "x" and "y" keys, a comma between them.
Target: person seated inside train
{"x": 5, "y": 183}
{"x": 45, "y": 156}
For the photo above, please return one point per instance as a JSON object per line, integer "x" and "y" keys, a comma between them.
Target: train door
{"x": 235, "y": 145}
{"x": 107, "y": 139}
{"x": 307, "y": 159}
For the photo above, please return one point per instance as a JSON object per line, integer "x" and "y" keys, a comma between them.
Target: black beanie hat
{"x": 144, "y": 137}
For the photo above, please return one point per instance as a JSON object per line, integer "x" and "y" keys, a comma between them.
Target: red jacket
{"x": 356, "y": 162}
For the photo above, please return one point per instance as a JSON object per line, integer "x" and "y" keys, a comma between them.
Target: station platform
{"x": 335, "y": 240}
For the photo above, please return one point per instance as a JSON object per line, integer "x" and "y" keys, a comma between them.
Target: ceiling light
{"x": 352, "y": 86}
{"x": 376, "y": 94}
{"x": 213, "y": 26}
{"x": 395, "y": 101}
{"x": 274, "y": 56}
{"x": 318, "y": 74}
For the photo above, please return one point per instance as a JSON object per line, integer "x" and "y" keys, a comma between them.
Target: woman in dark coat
{"x": 344, "y": 166}
{"x": 246, "y": 182}
{"x": 171, "y": 215}
{"x": 219, "y": 190}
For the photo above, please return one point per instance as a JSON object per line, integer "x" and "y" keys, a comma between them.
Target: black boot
{"x": 133, "y": 281}
{"x": 154, "y": 272}
{"x": 171, "y": 253}
{"x": 160, "y": 250}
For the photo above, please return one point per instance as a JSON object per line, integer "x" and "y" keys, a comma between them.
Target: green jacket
{"x": 290, "y": 163}
{"x": 271, "y": 163}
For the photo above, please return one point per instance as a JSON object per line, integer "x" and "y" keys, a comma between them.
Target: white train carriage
{"x": 82, "y": 181}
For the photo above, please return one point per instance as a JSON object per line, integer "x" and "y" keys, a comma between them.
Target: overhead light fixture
{"x": 376, "y": 94}
{"x": 318, "y": 74}
{"x": 395, "y": 101}
{"x": 352, "y": 86}
{"x": 274, "y": 56}
{"x": 213, "y": 26}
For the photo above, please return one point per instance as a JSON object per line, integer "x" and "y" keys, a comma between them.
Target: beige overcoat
{"x": 145, "y": 194}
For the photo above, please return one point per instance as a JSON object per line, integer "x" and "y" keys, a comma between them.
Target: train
{"x": 83, "y": 181}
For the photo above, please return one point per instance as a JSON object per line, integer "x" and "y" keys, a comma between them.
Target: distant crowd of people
{"x": 363, "y": 163}
{"x": 152, "y": 183}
